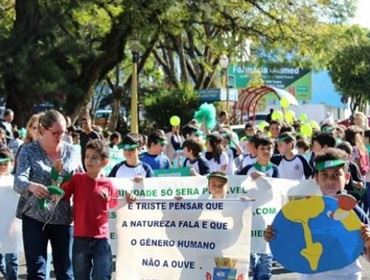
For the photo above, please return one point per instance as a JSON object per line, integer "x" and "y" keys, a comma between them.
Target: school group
{"x": 55, "y": 153}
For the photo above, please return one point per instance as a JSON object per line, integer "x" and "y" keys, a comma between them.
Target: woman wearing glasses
{"x": 32, "y": 177}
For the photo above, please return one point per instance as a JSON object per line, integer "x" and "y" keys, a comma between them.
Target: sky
{"x": 362, "y": 15}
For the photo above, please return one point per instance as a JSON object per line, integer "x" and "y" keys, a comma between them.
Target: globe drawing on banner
{"x": 316, "y": 234}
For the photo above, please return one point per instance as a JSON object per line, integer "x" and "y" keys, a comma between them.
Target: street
{"x": 278, "y": 272}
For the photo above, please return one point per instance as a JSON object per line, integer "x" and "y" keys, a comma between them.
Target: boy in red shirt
{"x": 93, "y": 195}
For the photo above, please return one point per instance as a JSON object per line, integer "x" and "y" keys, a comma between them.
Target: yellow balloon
{"x": 306, "y": 130}
{"x": 175, "y": 121}
{"x": 314, "y": 124}
{"x": 289, "y": 116}
{"x": 263, "y": 124}
{"x": 303, "y": 117}
{"x": 277, "y": 115}
{"x": 284, "y": 103}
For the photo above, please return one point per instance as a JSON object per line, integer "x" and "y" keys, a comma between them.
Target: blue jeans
{"x": 91, "y": 257}
{"x": 35, "y": 242}
{"x": 261, "y": 265}
{"x": 9, "y": 266}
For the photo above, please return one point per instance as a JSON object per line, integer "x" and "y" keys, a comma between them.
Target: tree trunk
{"x": 117, "y": 97}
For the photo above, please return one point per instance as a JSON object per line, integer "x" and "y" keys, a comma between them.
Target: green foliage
{"x": 59, "y": 50}
{"x": 164, "y": 103}
{"x": 350, "y": 72}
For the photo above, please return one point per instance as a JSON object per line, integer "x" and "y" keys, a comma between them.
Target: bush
{"x": 164, "y": 103}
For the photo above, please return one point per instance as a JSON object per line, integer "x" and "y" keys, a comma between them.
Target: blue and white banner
{"x": 269, "y": 195}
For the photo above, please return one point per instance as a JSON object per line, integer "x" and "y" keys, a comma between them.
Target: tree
{"x": 350, "y": 72}
{"x": 179, "y": 101}
{"x": 60, "y": 50}
{"x": 194, "y": 34}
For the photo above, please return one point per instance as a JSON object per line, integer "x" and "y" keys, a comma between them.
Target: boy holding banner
{"x": 331, "y": 174}
{"x": 93, "y": 195}
{"x": 262, "y": 263}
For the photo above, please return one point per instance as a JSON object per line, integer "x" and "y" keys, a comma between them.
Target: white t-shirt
{"x": 215, "y": 166}
{"x": 128, "y": 171}
{"x": 231, "y": 167}
{"x": 247, "y": 160}
{"x": 296, "y": 168}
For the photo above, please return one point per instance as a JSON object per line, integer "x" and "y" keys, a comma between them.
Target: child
{"x": 9, "y": 268}
{"x": 291, "y": 165}
{"x": 114, "y": 140}
{"x": 192, "y": 150}
{"x": 331, "y": 175}
{"x": 274, "y": 129}
{"x": 355, "y": 184}
{"x": 231, "y": 146}
{"x": 303, "y": 148}
{"x": 251, "y": 155}
{"x": 250, "y": 130}
{"x": 320, "y": 141}
{"x": 132, "y": 167}
{"x": 215, "y": 155}
{"x": 262, "y": 263}
{"x": 263, "y": 165}
{"x": 93, "y": 195}
{"x": 217, "y": 184}
{"x": 154, "y": 156}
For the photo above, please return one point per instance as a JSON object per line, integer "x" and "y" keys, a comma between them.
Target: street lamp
{"x": 134, "y": 46}
{"x": 224, "y": 62}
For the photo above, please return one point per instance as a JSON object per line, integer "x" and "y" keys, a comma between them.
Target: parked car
{"x": 102, "y": 117}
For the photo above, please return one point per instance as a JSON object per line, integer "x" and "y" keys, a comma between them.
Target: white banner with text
{"x": 187, "y": 239}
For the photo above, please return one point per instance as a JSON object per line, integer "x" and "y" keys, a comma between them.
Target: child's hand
{"x": 130, "y": 198}
{"x": 365, "y": 235}
{"x": 269, "y": 233}
{"x": 104, "y": 194}
{"x": 138, "y": 179}
{"x": 255, "y": 175}
{"x": 246, "y": 198}
{"x": 193, "y": 172}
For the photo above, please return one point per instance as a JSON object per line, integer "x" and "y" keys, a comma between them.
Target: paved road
{"x": 278, "y": 273}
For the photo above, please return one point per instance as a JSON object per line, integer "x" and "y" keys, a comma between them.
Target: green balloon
{"x": 175, "y": 121}
{"x": 306, "y": 130}
{"x": 277, "y": 115}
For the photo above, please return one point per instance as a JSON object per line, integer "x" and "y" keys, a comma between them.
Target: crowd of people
{"x": 53, "y": 149}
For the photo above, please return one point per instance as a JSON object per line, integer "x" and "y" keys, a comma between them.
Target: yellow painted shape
{"x": 351, "y": 222}
{"x": 300, "y": 211}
